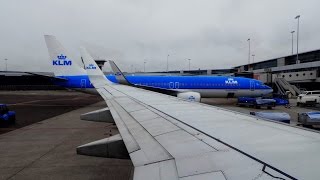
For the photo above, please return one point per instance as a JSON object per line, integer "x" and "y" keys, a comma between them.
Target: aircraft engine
{"x": 190, "y": 96}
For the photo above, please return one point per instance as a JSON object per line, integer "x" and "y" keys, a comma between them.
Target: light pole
{"x": 189, "y": 63}
{"x": 292, "y": 42}
{"x": 144, "y": 66}
{"x": 6, "y": 64}
{"x": 297, "y": 17}
{"x": 253, "y": 58}
{"x": 168, "y": 63}
{"x": 249, "y": 51}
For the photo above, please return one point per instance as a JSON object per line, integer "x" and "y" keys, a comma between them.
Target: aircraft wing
{"x": 170, "y": 138}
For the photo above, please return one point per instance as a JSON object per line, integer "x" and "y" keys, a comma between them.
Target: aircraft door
{"x": 83, "y": 83}
{"x": 252, "y": 87}
{"x": 177, "y": 85}
{"x": 171, "y": 85}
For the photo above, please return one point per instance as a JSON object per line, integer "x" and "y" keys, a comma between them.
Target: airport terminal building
{"x": 302, "y": 73}
{"x": 282, "y": 71}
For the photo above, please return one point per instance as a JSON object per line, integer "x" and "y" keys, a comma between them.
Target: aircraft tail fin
{"x": 119, "y": 75}
{"x": 62, "y": 63}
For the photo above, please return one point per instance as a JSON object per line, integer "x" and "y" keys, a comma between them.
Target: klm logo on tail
{"x": 62, "y": 61}
{"x": 91, "y": 66}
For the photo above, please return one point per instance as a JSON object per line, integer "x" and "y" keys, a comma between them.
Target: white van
{"x": 309, "y": 98}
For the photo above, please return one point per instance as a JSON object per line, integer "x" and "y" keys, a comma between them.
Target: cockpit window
{"x": 259, "y": 83}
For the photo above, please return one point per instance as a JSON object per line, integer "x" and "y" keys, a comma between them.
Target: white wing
{"x": 169, "y": 138}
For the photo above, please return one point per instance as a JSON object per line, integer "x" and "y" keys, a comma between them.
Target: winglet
{"x": 96, "y": 76}
{"x": 119, "y": 75}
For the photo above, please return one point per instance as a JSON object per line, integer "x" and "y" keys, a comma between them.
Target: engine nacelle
{"x": 190, "y": 96}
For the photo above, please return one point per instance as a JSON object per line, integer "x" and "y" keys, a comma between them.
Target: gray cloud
{"x": 211, "y": 33}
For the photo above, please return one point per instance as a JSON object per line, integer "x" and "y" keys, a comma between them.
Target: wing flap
{"x": 206, "y": 176}
{"x": 150, "y": 151}
{"x": 128, "y": 139}
{"x": 158, "y": 171}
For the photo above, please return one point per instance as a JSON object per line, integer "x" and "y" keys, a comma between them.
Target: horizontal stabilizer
{"x": 101, "y": 115}
{"x": 112, "y": 147}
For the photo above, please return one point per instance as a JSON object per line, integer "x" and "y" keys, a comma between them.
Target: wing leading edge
{"x": 169, "y": 138}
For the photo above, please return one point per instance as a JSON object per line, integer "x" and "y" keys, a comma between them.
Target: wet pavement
{"x": 35, "y": 106}
{"x": 46, "y": 149}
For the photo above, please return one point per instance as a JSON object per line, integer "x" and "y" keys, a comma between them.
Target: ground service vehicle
{"x": 256, "y": 102}
{"x": 275, "y": 116}
{"x": 308, "y": 98}
{"x": 281, "y": 100}
{"x": 309, "y": 118}
{"x": 6, "y": 116}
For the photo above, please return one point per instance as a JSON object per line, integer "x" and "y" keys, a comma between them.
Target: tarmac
{"x": 35, "y": 106}
{"x": 47, "y": 149}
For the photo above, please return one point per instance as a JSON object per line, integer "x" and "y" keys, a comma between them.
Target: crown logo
{"x": 90, "y": 66}
{"x": 62, "y": 57}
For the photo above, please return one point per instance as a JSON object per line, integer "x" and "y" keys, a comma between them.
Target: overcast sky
{"x": 212, "y": 33}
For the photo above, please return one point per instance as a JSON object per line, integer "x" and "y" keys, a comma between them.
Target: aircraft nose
{"x": 268, "y": 90}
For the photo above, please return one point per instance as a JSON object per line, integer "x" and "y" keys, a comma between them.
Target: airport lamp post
{"x": 292, "y": 42}
{"x": 297, "y": 17}
{"x": 253, "y": 58}
{"x": 6, "y": 64}
{"x": 189, "y": 63}
{"x": 168, "y": 63}
{"x": 249, "y": 51}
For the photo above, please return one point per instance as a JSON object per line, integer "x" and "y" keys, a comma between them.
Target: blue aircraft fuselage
{"x": 207, "y": 86}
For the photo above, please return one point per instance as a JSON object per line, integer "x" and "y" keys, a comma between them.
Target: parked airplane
{"x": 194, "y": 87}
{"x": 171, "y": 138}
{"x": 206, "y": 86}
